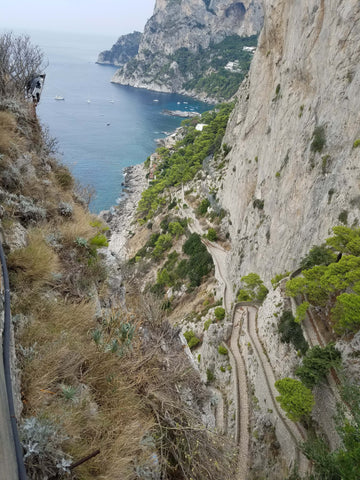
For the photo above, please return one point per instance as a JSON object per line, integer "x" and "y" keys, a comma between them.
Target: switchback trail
{"x": 288, "y": 429}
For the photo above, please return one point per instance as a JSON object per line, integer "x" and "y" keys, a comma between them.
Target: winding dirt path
{"x": 284, "y": 427}
{"x": 293, "y": 432}
{"x": 241, "y": 398}
{"x": 237, "y": 362}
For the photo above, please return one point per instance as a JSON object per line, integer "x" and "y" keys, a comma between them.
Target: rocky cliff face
{"x": 190, "y": 25}
{"x": 122, "y": 51}
{"x": 197, "y": 23}
{"x": 294, "y": 169}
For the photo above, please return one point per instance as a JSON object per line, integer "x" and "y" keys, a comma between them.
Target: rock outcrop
{"x": 294, "y": 164}
{"x": 185, "y": 26}
{"x": 122, "y": 51}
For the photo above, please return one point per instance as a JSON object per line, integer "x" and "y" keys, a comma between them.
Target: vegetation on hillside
{"x": 208, "y": 66}
{"x": 181, "y": 163}
{"x": 344, "y": 461}
{"x": 202, "y": 71}
{"x": 334, "y": 281}
{"x": 253, "y": 289}
{"x": 295, "y": 399}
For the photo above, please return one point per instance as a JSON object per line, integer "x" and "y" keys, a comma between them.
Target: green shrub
{"x": 343, "y": 217}
{"x": 257, "y": 203}
{"x": 200, "y": 262}
{"x": 175, "y": 228}
{"x": 291, "y": 332}
{"x": 295, "y": 399}
{"x": 277, "y": 279}
{"x": 162, "y": 244}
{"x": 318, "y": 255}
{"x": 317, "y": 363}
{"x": 219, "y": 313}
{"x": 243, "y": 296}
{"x": 346, "y": 313}
{"x": 99, "y": 240}
{"x": 210, "y": 376}
{"x": 42, "y": 443}
{"x": 319, "y": 139}
{"x": 253, "y": 289}
{"x": 301, "y": 312}
{"x": 356, "y": 143}
{"x": 207, "y": 324}
{"x": 203, "y": 207}
{"x": 222, "y": 350}
{"x": 191, "y": 338}
{"x": 211, "y": 235}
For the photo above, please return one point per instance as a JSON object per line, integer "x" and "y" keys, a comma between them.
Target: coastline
{"x": 120, "y": 217}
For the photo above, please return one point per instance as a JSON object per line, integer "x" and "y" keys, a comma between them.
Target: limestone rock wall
{"x": 282, "y": 196}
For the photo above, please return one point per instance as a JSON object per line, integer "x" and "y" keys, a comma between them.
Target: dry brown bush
{"x": 77, "y": 227}
{"x": 35, "y": 264}
{"x": 106, "y": 413}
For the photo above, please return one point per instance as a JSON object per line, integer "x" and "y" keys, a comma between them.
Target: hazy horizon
{"x": 108, "y": 18}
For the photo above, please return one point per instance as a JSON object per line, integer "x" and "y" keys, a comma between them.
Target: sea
{"x": 101, "y": 127}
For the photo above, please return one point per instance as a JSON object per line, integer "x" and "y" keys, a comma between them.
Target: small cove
{"x": 101, "y": 127}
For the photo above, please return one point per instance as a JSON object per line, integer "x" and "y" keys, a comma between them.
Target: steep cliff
{"x": 181, "y": 28}
{"x": 126, "y": 47}
{"x": 294, "y": 167}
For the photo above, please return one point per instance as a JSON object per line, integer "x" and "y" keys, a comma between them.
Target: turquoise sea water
{"x": 101, "y": 127}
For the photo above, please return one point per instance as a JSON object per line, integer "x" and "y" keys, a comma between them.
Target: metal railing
{"x": 7, "y": 368}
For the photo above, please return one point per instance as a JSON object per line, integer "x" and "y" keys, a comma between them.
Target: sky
{"x": 102, "y": 17}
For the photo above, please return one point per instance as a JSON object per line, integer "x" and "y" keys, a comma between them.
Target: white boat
{"x": 155, "y": 100}
{"x": 88, "y": 101}
{"x": 59, "y": 97}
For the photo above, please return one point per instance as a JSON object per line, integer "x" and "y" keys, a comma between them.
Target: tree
{"x": 211, "y": 235}
{"x": 343, "y": 463}
{"x": 253, "y": 289}
{"x": 291, "y": 332}
{"x": 175, "y": 228}
{"x": 346, "y": 240}
{"x": 346, "y": 313}
{"x": 301, "y": 312}
{"x": 318, "y": 255}
{"x": 219, "y": 313}
{"x": 20, "y": 61}
{"x": 295, "y": 399}
{"x": 317, "y": 363}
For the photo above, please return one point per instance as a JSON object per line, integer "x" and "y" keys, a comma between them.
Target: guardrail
{"x": 7, "y": 368}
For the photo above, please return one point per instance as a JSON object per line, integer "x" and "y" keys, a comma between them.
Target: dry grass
{"x": 7, "y": 131}
{"x": 77, "y": 227}
{"x": 35, "y": 264}
{"x": 106, "y": 413}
